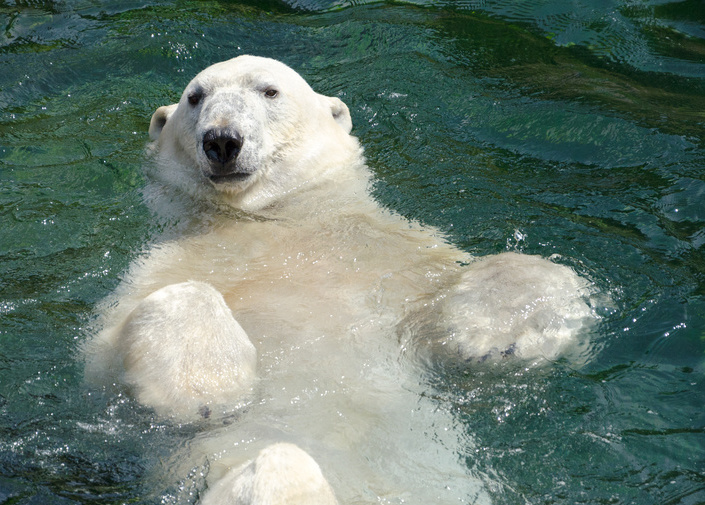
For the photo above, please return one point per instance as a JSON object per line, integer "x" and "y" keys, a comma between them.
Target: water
{"x": 543, "y": 126}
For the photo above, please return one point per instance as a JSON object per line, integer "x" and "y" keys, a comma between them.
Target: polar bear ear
{"x": 159, "y": 119}
{"x": 341, "y": 113}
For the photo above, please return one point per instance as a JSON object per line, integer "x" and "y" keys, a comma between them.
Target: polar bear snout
{"x": 221, "y": 147}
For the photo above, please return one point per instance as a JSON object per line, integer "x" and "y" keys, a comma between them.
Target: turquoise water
{"x": 543, "y": 126}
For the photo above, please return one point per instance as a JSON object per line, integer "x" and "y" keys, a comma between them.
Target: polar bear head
{"x": 251, "y": 130}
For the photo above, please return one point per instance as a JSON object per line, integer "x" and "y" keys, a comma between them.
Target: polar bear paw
{"x": 281, "y": 474}
{"x": 506, "y": 305}
{"x": 184, "y": 353}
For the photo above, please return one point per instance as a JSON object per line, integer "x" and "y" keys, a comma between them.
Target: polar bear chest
{"x": 302, "y": 281}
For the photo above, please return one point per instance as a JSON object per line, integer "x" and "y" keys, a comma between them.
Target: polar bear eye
{"x": 195, "y": 97}
{"x": 271, "y": 92}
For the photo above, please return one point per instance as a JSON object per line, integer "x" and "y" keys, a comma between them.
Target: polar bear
{"x": 291, "y": 292}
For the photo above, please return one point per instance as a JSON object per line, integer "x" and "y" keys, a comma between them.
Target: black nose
{"x": 222, "y": 146}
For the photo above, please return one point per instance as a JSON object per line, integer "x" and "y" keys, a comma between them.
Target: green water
{"x": 546, "y": 126}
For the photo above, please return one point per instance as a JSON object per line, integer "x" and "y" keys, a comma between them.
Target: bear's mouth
{"x": 231, "y": 177}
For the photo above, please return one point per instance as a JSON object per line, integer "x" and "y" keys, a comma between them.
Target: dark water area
{"x": 548, "y": 127}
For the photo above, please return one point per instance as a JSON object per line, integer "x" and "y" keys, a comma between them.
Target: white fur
{"x": 298, "y": 479}
{"x": 326, "y": 284}
{"x": 182, "y": 351}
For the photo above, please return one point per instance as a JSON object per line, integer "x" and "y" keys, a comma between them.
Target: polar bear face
{"x": 250, "y": 128}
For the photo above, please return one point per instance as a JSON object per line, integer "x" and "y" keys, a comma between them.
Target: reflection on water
{"x": 546, "y": 127}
